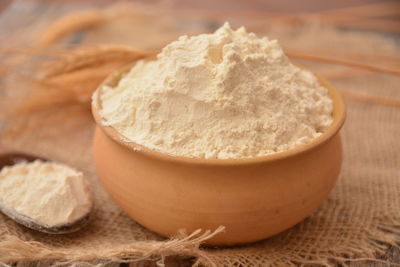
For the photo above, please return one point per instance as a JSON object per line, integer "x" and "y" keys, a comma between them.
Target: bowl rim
{"x": 338, "y": 114}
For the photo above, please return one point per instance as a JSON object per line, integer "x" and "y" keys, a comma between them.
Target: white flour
{"x": 50, "y": 193}
{"x": 228, "y": 94}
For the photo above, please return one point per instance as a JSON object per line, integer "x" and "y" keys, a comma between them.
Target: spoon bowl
{"x": 11, "y": 158}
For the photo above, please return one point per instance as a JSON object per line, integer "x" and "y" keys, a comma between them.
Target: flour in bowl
{"x": 229, "y": 94}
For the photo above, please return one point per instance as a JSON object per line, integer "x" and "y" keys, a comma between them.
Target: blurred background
{"x": 354, "y": 41}
{"x": 364, "y": 15}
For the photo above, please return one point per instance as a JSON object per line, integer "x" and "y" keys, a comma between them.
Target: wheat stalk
{"x": 92, "y": 57}
{"x": 377, "y": 9}
{"x": 68, "y": 24}
{"x": 343, "y": 62}
{"x": 372, "y": 99}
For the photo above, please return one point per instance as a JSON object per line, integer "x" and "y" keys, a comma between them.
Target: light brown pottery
{"x": 254, "y": 198}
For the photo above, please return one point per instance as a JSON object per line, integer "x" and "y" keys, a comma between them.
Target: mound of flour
{"x": 228, "y": 94}
{"x": 50, "y": 193}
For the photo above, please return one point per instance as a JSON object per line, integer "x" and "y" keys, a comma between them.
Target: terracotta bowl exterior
{"x": 254, "y": 198}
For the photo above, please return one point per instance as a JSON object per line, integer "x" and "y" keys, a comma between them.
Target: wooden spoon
{"x": 9, "y": 158}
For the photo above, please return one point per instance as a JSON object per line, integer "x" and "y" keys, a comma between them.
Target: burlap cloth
{"x": 359, "y": 221}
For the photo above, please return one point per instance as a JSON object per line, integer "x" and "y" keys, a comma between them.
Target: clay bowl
{"x": 254, "y": 198}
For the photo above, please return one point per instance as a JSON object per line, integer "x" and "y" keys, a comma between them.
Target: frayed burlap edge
{"x": 13, "y": 249}
{"x": 376, "y": 243}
